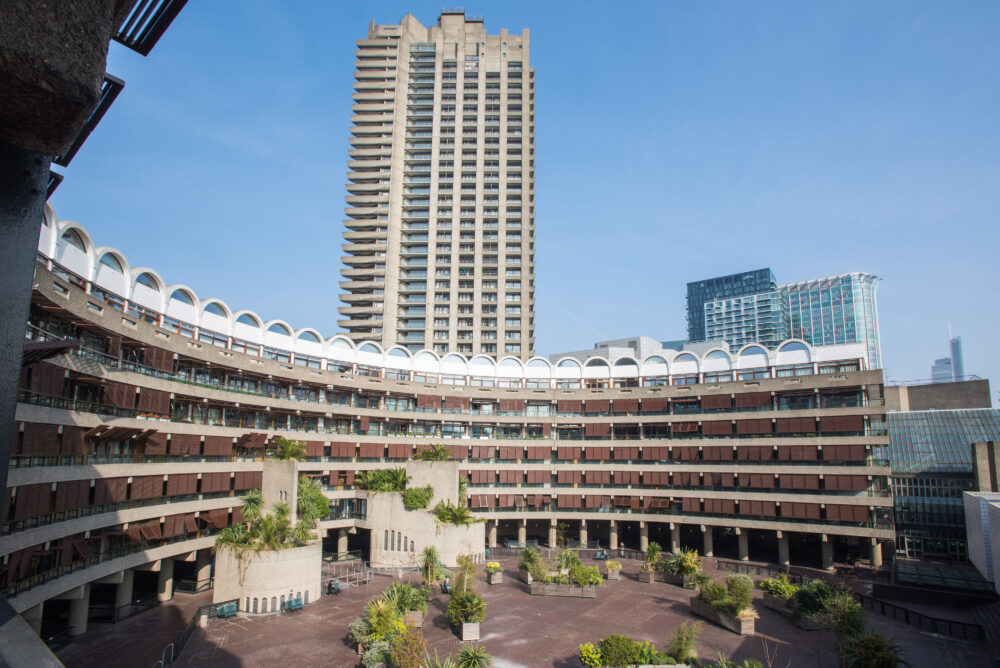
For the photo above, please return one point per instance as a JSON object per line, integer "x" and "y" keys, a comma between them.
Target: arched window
{"x": 538, "y": 363}
{"x": 148, "y": 281}
{"x": 794, "y": 346}
{"x": 309, "y": 336}
{"x": 74, "y": 239}
{"x": 625, "y": 361}
{"x": 369, "y": 348}
{"x": 247, "y": 319}
{"x": 110, "y": 261}
{"x": 278, "y": 328}
{"x": 397, "y": 352}
{"x": 717, "y": 355}
{"x": 510, "y": 362}
{"x": 182, "y": 296}
{"x": 569, "y": 362}
{"x": 597, "y": 361}
{"x": 263, "y": 605}
{"x": 215, "y": 309}
{"x": 255, "y": 606}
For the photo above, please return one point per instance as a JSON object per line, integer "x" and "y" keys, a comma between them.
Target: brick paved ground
{"x": 525, "y": 630}
{"x": 138, "y": 641}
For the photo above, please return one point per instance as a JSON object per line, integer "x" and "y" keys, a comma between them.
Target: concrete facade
{"x": 269, "y": 577}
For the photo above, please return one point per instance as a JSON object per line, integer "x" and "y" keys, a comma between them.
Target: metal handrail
{"x": 947, "y": 627}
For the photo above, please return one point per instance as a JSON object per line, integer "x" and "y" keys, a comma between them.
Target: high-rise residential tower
{"x": 440, "y": 219}
{"x": 725, "y": 308}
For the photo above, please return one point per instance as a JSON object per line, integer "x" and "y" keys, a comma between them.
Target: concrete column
{"x": 553, "y": 534}
{"x": 341, "y": 541}
{"x": 675, "y": 538}
{"x": 876, "y": 553}
{"x": 522, "y": 533}
{"x": 33, "y": 616}
{"x": 79, "y": 610}
{"x": 744, "y": 539}
{"x": 827, "y": 546}
{"x": 165, "y": 585}
{"x": 707, "y": 538}
{"x": 783, "y": 548}
{"x": 492, "y": 537}
{"x": 203, "y": 565}
{"x": 613, "y": 536}
{"x": 123, "y": 590}
{"x": 583, "y": 533}
{"x": 643, "y": 536}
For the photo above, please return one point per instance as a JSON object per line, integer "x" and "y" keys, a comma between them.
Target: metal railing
{"x": 193, "y": 586}
{"x": 944, "y": 627}
{"x": 210, "y": 611}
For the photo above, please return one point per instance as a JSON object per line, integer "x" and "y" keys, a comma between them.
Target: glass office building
{"x": 760, "y": 318}
{"x": 930, "y": 455}
{"x": 717, "y": 291}
{"x": 836, "y": 309}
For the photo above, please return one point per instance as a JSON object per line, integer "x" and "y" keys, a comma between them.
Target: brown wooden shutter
{"x": 154, "y": 401}
{"x": 40, "y": 439}
{"x": 717, "y": 428}
{"x": 568, "y": 406}
{"x": 654, "y": 404}
{"x": 598, "y": 406}
{"x": 753, "y": 399}
{"x": 626, "y": 405}
{"x": 218, "y": 446}
{"x": 214, "y": 482}
{"x": 47, "y": 379}
{"x": 716, "y": 401}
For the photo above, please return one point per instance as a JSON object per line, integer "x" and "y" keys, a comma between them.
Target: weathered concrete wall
{"x": 270, "y": 574}
{"x": 280, "y": 484}
{"x": 399, "y": 536}
{"x": 939, "y": 396}
{"x": 442, "y": 476}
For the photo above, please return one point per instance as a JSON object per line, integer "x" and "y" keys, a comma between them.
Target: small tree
{"x": 873, "y": 650}
{"x": 653, "y": 551}
{"x": 409, "y": 649}
{"x": 431, "y": 566}
{"x": 433, "y": 453}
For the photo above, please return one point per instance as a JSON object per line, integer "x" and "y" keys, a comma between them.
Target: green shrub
{"x": 612, "y": 565}
{"x": 740, "y": 588}
{"x": 653, "y": 551}
{"x": 584, "y": 576}
{"x": 568, "y": 559}
{"x": 810, "y": 598}
{"x": 405, "y": 597}
{"x": 466, "y": 608}
{"x": 409, "y": 649}
{"x": 359, "y": 630}
{"x": 779, "y": 586}
{"x": 417, "y": 498}
{"x": 529, "y": 556}
{"x": 686, "y": 562}
{"x": 378, "y": 652}
{"x": 680, "y": 644}
{"x": 538, "y": 571}
{"x": 382, "y": 480}
{"x": 712, "y": 592}
{"x": 619, "y": 650}
{"x": 873, "y": 650}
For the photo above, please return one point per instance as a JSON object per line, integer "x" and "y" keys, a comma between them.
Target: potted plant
{"x": 730, "y": 605}
{"x": 613, "y": 570}
{"x": 494, "y": 573}
{"x": 410, "y": 601}
{"x": 681, "y": 569}
{"x": 566, "y": 559}
{"x": 431, "y": 570}
{"x": 465, "y": 611}
{"x": 529, "y": 557}
{"x": 652, "y": 556}
{"x": 807, "y": 603}
{"x": 778, "y": 592}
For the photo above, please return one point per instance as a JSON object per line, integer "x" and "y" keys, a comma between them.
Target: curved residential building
{"x": 151, "y": 414}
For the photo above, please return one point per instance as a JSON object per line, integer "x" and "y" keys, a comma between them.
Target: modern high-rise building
{"x": 950, "y": 369}
{"x": 720, "y": 297}
{"x": 440, "y": 219}
{"x": 751, "y": 307}
{"x": 836, "y": 309}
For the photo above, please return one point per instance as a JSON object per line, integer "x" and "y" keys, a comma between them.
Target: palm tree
{"x": 311, "y": 504}
{"x": 253, "y": 504}
{"x": 433, "y": 453}
{"x": 288, "y": 450}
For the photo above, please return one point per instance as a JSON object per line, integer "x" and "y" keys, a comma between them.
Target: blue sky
{"x": 674, "y": 141}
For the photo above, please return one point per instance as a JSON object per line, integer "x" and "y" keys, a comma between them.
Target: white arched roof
{"x": 86, "y": 264}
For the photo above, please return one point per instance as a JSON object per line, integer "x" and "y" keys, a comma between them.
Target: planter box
{"x": 779, "y": 605}
{"x": 415, "y": 619}
{"x": 807, "y": 624}
{"x": 741, "y": 626}
{"x": 645, "y": 576}
{"x": 613, "y": 574}
{"x": 494, "y": 578}
{"x": 526, "y": 577}
{"x": 470, "y": 632}
{"x": 685, "y": 581}
{"x": 567, "y": 590}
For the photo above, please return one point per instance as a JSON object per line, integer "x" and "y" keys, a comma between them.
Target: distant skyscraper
{"x": 950, "y": 369}
{"x": 712, "y": 295}
{"x": 440, "y": 229}
{"x": 941, "y": 371}
{"x": 751, "y": 306}
{"x": 836, "y": 309}
{"x": 957, "y": 363}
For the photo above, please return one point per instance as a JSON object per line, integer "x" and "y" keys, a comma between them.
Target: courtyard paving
{"x": 530, "y": 631}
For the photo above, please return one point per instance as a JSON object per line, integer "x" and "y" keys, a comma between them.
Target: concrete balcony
{"x": 363, "y": 248}
{"x": 360, "y": 310}
{"x": 357, "y": 297}
{"x": 368, "y": 200}
{"x": 377, "y": 105}
{"x": 361, "y": 285}
{"x": 365, "y": 64}
{"x": 364, "y": 273}
{"x": 361, "y": 188}
{"x": 375, "y": 117}
{"x": 366, "y": 164}
{"x": 361, "y": 236}
{"x": 361, "y": 260}
{"x": 360, "y": 142}
{"x": 369, "y": 153}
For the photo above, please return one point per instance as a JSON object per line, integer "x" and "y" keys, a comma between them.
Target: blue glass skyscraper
{"x": 720, "y": 289}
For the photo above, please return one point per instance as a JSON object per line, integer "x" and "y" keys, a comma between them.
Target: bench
{"x": 600, "y": 555}
{"x": 293, "y": 604}
{"x": 226, "y": 610}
